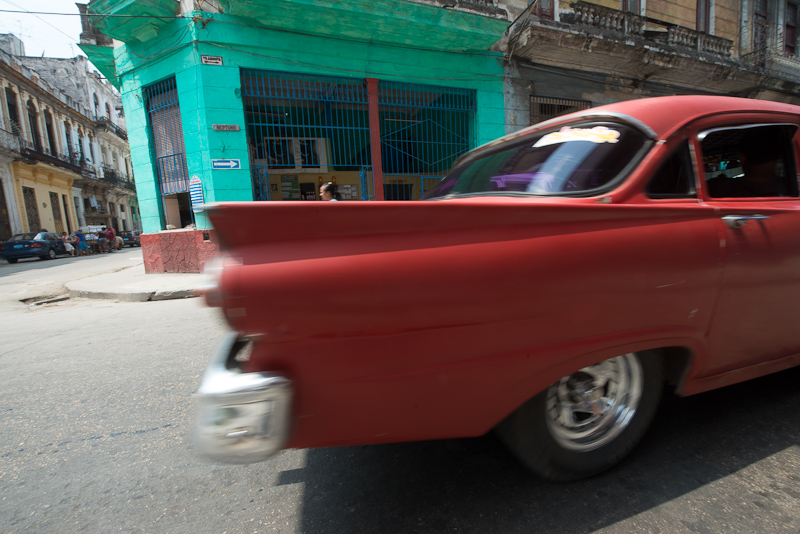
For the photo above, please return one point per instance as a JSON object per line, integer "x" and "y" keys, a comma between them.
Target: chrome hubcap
{"x": 592, "y": 407}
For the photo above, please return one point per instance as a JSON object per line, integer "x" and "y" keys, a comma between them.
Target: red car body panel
{"x": 403, "y": 321}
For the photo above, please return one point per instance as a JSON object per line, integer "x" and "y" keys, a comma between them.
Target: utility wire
{"x": 90, "y": 14}
{"x": 35, "y": 15}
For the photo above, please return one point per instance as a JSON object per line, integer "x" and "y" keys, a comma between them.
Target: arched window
{"x": 96, "y": 106}
{"x": 13, "y": 111}
{"x": 51, "y": 135}
{"x": 33, "y": 122}
{"x": 68, "y": 137}
{"x": 81, "y": 155}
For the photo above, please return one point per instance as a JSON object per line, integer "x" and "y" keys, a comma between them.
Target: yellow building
{"x": 44, "y": 196}
{"x": 64, "y": 157}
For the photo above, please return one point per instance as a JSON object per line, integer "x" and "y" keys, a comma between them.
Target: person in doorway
{"x": 328, "y": 192}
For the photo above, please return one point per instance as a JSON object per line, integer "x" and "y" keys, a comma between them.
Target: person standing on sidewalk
{"x": 80, "y": 243}
{"x": 111, "y": 235}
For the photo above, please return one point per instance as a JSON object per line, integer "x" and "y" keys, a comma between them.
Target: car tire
{"x": 51, "y": 254}
{"x": 12, "y": 260}
{"x": 563, "y": 434}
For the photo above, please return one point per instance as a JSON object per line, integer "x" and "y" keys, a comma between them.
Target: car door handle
{"x": 737, "y": 221}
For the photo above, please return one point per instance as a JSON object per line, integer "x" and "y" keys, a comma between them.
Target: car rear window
{"x": 580, "y": 159}
{"x": 23, "y": 237}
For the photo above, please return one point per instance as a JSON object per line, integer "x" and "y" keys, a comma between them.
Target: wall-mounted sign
{"x": 225, "y": 164}
{"x": 225, "y": 127}
{"x": 211, "y": 60}
{"x": 290, "y": 187}
{"x": 196, "y": 194}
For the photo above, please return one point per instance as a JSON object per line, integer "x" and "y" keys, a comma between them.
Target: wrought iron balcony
{"x": 105, "y": 122}
{"x": 9, "y": 141}
{"x": 111, "y": 174}
{"x": 43, "y": 153}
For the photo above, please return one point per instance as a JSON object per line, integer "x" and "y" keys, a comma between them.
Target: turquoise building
{"x": 269, "y": 99}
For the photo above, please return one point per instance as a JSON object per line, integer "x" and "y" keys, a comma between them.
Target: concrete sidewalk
{"x": 132, "y": 284}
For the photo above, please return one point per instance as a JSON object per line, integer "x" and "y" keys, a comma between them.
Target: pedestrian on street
{"x": 328, "y": 192}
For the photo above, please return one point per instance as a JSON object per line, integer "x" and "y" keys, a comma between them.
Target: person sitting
{"x": 68, "y": 243}
{"x": 760, "y": 150}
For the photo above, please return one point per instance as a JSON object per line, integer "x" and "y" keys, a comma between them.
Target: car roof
{"x": 664, "y": 114}
{"x": 658, "y": 117}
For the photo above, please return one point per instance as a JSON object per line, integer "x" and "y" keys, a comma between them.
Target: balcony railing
{"x": 9, "y": 141}
{"x": 775, "y": 60}
{"x": 105, "y": 122}
{"x": 655, "y": 30}
{"x": 111, "y": 174}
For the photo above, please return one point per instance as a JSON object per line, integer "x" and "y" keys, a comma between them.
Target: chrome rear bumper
{"x": 241, "y": 417}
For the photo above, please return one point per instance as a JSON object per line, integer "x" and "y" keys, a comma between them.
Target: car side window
{"x": 750, "y": 161}
{"x": 675, "y": 178}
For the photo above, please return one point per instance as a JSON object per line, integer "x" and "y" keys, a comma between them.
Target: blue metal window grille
{"x": 302, "y": 127}
{"x": 161, "y": 101}
{"x": 424, "y": 129}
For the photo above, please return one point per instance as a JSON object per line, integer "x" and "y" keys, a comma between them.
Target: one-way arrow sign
{"x": 225, "y": 164}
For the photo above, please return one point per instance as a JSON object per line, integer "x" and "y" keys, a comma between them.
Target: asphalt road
{"x": 95, "y": 417}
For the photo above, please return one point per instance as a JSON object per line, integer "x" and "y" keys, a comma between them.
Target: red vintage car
{"x": 548, "y": 288}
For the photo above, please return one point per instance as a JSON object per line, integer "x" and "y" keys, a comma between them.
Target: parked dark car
{"x": 44, "y": 245}
{"x": 131, "y": 239}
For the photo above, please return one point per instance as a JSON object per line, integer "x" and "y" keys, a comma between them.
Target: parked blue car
{"x": 44, "y": 245}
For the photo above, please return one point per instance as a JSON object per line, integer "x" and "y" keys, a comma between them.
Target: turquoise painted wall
{"x": 211, "y": 94}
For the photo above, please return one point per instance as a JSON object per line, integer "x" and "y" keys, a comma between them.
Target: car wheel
{"x": 12, "y": 260}
{"x": 587, "y": 421}
{"x": 51, "y": 254}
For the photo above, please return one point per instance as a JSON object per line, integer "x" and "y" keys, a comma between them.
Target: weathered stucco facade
{"x": 579, "y": 54}
{"x": 62, "y": 165}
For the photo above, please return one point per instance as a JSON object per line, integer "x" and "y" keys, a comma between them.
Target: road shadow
{"x": 475, "y": 485}
{"x": 35, "y": 264}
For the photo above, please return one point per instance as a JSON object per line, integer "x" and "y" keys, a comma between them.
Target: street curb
{"x": 135, "y": 296}
{"x": 140, "y": 296}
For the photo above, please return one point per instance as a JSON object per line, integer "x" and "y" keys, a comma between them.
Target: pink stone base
{"x": 178, "y": 251}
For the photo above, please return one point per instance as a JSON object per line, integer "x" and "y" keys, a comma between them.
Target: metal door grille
{"x": 163, "y": 110}
{"x": 56, "y": 212}
{"x": 303, "y": 125}
{"x": 31, "y": 209}
{"x": 424, "y": 129}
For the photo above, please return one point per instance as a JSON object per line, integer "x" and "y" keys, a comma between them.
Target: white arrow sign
{"x": 225, "y": 164}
